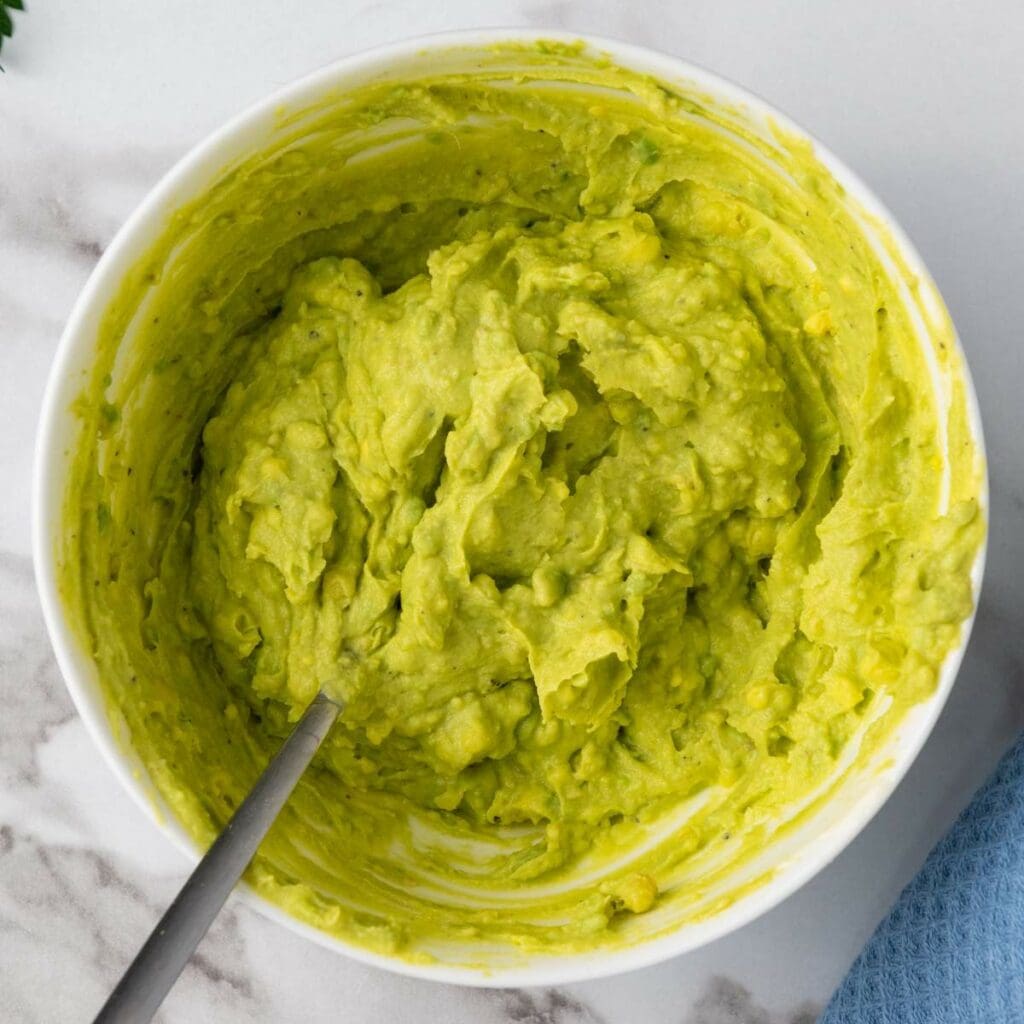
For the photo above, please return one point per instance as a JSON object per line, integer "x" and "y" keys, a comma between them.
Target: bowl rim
{"x": 47, "y": 496}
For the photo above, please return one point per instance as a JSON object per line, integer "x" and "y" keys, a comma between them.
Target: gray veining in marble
{"x": 99, "y": 98}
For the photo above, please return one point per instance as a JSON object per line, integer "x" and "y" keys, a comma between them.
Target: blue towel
{"x": 952, "y": 949}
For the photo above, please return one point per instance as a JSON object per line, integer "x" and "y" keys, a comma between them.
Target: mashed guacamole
{"x": 579, "y": 441}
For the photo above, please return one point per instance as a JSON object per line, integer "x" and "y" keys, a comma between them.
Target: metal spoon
{"x": 152, "y": 973}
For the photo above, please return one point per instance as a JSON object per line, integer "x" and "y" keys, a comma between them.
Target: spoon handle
{"x": 152, "y": 973}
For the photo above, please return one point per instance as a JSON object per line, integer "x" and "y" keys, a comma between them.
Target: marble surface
{"x": 99, "y": 99}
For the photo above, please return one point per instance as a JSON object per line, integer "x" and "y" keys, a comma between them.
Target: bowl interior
{"x": 815, "y": 830}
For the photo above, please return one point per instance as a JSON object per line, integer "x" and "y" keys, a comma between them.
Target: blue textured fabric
{"x": 952, "y": 949}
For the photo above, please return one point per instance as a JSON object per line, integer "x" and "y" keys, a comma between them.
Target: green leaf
{"x": 6, "y": 23}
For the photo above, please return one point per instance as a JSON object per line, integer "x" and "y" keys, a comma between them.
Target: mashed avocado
{"x": 580, "y": 441}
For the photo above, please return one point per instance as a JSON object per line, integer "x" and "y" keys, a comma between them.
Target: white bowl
{"x": 802, "y": 853}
